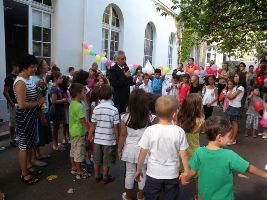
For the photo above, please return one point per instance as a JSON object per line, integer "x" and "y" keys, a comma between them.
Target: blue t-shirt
{"x": 156, "y": 84}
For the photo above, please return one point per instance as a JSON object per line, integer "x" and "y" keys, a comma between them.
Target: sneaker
{"x": 260, "y": 134}
{"x": 108, "y": 179}
{"x": 123, "y": 196}
{"x": 264, "y": 136}
{"x": 73, "y": 172}
{"x": 98, "y": 179}
{"x": 2, "y": 148}
{"x": 81, "y": 176}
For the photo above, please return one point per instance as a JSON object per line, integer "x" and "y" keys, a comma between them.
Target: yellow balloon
{"x": 98, "y": 58}
{"x": 167, "y": 70}
{"x": 87, "y": 51}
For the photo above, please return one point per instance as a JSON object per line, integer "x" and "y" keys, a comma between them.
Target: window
{"x": 148, "y": 44}
{"x": 210, "y": 55}
{"x": 170, "y": 50}
{"x": 46, "y": 2}
{"x": 110, "y": 32}
{"x": 41, "y": 35}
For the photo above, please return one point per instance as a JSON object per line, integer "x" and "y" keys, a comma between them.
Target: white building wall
{"x": 3, "y": 107}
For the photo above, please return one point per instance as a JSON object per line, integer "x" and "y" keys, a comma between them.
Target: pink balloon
{"x": 209, "y": 71}
{"x": 85, "y": 46}
{"x": 135, "y": 66}
{"x": 196, "y": 72}
{"x": 109, "y": 63}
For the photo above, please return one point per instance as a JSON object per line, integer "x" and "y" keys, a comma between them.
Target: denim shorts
{"x": 233, "y": 113}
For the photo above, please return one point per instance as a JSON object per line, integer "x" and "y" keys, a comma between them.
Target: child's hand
{"x": 138, "y": 175}
{"x": 90, "y": 138}
{"x": 184, "y": 179}
{"x": 119, "y": 155}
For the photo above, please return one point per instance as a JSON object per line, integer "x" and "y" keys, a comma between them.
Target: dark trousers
{"x": 153, "y": 188}
{"x": 208, "y": 111}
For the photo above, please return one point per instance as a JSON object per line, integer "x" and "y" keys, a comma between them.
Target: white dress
{"x": 209, "y": 96}
{"x": 131, "y": 148}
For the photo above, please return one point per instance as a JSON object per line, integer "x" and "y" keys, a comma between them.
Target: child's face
{"x": 230, "y": 85}
{"x": 236, "y": 78}
{"x": 211, "y": 81}
{"x": 101, "y": 82}
{"x": 174, "y": 80}
{"x": 185, "y": 79}
{"x": 59, "y": 80}
{"x": 223, "y": 140}
{"x": 193, "y": 79}
{"x": 157, "y": 75}
{"x": 146, "y": 79}
{"x": 256, "y": 92}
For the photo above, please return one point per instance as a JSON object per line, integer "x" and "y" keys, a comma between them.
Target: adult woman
{"x": 26, "y": 116}
{"x": 223, "y": 78}
{"x": 44, "y": 129}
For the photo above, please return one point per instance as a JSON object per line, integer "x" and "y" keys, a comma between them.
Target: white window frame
{"x": 110, "y": 29}
{"x": 151, "y": 41}
{"x": 213, "y": 54}
{"x": 170, "y": 50}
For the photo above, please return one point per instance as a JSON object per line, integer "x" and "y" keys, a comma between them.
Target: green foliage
{"x": 232, "y": 24}
{"x": 187, "y": 44}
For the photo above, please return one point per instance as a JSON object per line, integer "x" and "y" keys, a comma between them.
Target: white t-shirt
{"x": 236, "y": 102}
{"x": 147, "y": 88}
{"x": 163, "y": 143}
{"x": 165, "y": 85}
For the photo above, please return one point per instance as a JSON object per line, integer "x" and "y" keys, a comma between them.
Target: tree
{"x": 232, "y": 24}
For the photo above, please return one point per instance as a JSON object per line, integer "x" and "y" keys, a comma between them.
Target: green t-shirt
{"x": 215, "y": 171}
{"x": 76, "y": 113}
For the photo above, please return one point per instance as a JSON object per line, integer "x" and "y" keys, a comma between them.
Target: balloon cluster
{"x": 101, "y": 57}
{"x": 211, "y": 70}
{"x": 164, "y": 70}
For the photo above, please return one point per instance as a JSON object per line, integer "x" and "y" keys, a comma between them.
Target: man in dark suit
{"x": 121, "y": 80}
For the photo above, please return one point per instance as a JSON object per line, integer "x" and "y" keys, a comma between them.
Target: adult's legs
{"x": 171, "y": 189}
{"x": 208, "y": 111}
{"x": 129, "y": 179}
{"x": 153, "y": 188}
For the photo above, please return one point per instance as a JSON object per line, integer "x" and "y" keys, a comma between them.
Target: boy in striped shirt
{"x": 105, "y": 132}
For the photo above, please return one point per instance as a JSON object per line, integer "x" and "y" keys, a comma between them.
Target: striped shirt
{"x": 105, "y": 115}
{"x": 31, "y": 92}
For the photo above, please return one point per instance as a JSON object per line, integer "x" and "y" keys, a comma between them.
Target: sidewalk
{"x": 4, "y": 130}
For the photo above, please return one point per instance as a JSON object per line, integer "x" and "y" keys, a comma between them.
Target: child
{"x": 173, "y": 87}
{"x": 133, "y": 125}
{"x": 91, "y": 79}
{"x": 234, "y": 110}
{"x": 57, "y": 108}
{"x": 184, "y": 88}
{"x": 162, "y": 143}
{"x": 215, "y": 165}
{"x": 146, "y": 86}
{"x": 229, "y": 86}
{"x": 156, "y": 83}
{"x": 210, "y": 96}
{"x": 77, "y": 128}
{"x": 65, "y": 93}
{"x": 105, "y": 131}
{"x": 252, "y": 114}
{"x": 101, "y": 80}
{"x": 195, "y": 87}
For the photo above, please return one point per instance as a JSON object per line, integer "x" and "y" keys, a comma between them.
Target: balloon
{"x": 85, "y": 46}
{"x": 258, "y": 105}
{"x": 167, "y": 70}
{"x": 209, "y": 71}
{"x": 133, "y": 71}
{"x": 260, "y": 80}
{"x": 196, "y": 72}
{"x": 202, "y": 72}
{"x": 144, "y": 71}
{"x": 219, "y": 71}
{"x": 109, "y": 63}
{"x": 90, "y": 46}
{"x": 179, "y": 73}
{"x": 102, "y": 54}
{"x": 97, "y": 58}
{"x": 112, "y": 64}
{"x": 92, "y": 52}
{"x": 191, "y": 70}
{"x": 135, "y": 66}
{"x": 104, "y": 59}
{"x": 87, "y": 51}
{"x": 160, "y": 67}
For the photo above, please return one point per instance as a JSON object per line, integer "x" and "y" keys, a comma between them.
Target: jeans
{"x": 153, "y": 188}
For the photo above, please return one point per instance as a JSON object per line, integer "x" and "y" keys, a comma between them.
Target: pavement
{"x": 246, "y": 188}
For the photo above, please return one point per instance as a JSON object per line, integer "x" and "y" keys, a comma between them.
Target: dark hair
{"x": 242, "y": 79}
{"x": 190, "y": 110}
{"x": 104, "y": 79}
{"x": 55, "y": 69}
{"x": 27, "y": 61}
{"x": 183, "y": 76}
{"x": 39, "y": 67}
{"x": 216, "y": 125}
{"x": 55, "y": 75}
{"x": 251, "y": 66}
{"x": 138, "y": 68}
{"x": 207, "y": 79}
{"x": 151, "y": 102}
{"x": 13, "y": 65}
{"x": 70, "y": 69}
{"x": 146, "y": 75}
{"x": 175, "y": 76}
{"x": 65, "y": 84}
{"x": 157, "y": 71}
{"x": 94, "y": 95}
{"x": 138, "y": 108}
{"x": 263, "y": 60}
{"x": 165, "y": 106}
{"x": 81, "y": 77}
{"x": 242, "y": 63}
{"x": 75, "y": 89}
{"x": 182, "y": 63}
{"x": 105, "y": 92}
{"x": 191, "y": 59}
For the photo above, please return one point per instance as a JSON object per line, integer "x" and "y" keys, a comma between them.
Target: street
{"x": 246, "y": 188}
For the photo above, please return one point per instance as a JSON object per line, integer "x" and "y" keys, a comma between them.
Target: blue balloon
{"x": 132, "y": 71}
{"x": 202, "y": 72}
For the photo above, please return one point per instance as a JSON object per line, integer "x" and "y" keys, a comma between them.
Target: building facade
{"x": 56, "y": 29}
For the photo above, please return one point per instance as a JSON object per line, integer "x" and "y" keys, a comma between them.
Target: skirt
{"x": 233, "y": 113}
{"x": 26, "y": 120}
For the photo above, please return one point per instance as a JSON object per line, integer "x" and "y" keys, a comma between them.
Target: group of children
{"x": 152, "y": 135}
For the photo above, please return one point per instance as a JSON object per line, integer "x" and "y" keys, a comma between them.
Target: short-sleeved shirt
{"x": 163, "y": 143}
{"x": 105, "y": 115}
{"x": 215, "y": 172}
{"x": 9, "y": 82}
{"x": 76, "y": 113}
{"x": 236, "y": 102}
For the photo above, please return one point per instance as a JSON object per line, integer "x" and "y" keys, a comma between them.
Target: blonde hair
{"x": 166, "y": 106}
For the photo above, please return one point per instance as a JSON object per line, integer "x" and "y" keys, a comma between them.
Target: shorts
{"x": 104, "y": 155}
{"x": 77, "y": 148}
{"x": 233, "y": 113}
{"x": 12, "y": 116}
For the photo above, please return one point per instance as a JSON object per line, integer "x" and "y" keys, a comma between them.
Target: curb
{"x": 4, "y": 135}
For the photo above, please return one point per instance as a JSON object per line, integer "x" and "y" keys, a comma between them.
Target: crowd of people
{"x": 146, "y": 120}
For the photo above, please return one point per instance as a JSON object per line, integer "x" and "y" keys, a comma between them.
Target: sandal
{"x": 30, "y": 181}
{"x": 34, "y": 171}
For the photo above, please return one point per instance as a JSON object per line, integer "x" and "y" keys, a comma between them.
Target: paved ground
{"x": 251, "y": 188}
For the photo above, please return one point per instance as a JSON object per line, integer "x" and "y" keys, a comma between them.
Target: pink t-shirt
{"x": 183, "y": 91}
{"x": 91, "y": 82}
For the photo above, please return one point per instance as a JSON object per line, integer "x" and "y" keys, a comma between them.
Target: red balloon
{"x": 258, "y": 105}
{"x": 219, "y": 71}
{"x": 260, "y": 80}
